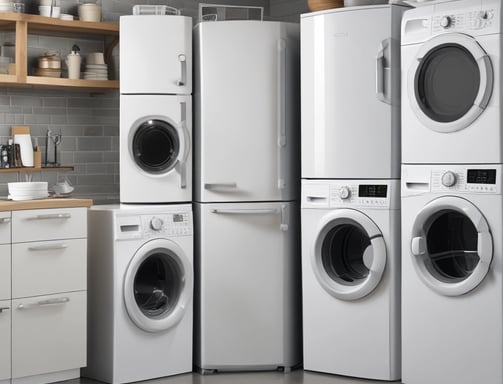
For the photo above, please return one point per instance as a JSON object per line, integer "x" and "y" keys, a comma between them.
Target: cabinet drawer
{"x": 5, "y": 313}
{"x": 48, "y": 334}
{"x": 49, "y": 224}
{"x": 5, "y": 223}
{"x": 46, "y": 267}
{"x": 5, "y": 272}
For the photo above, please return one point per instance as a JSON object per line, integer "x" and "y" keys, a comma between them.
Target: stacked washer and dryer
{"x": 141, "y": 252}
{"x": 452, "y": 202}
{"x": 350, "y": 203}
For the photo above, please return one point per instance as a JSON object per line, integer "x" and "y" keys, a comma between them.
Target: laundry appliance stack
{"x": 140, "y": 321}
{"x": 350, "y": 202}
{"x": 452, "y": 203}
{"x": 247, "y": 173}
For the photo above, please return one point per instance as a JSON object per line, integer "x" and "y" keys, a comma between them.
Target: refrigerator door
{"x": 247, "y": 286}
{"x": 247, "y": 124}
{"x": 156, "y": 54}
{"x": 350, "y": 93}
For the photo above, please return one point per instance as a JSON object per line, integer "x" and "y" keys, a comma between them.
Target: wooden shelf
{"x": 31, "y": 169}
{"x": 23, "y": 24}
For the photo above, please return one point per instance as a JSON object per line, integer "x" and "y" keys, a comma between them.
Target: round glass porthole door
{"x": 349, "y": 254}
{"x": 450, "y": 82}
{"x": 156, "y": 146}
{"x": 158, "y": 286}
{"x": 451, "y": 246}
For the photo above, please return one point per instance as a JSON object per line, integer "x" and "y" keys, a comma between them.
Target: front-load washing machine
{"x": 451, "y": 75}
{"x": 351, "y": 277}
{"x": 140, "y": 286}
{"x": 452, "y": 291}
{"x": 155, "y": 148}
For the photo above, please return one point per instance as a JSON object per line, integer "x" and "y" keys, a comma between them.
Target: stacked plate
{"x": 96, "y": 72}
{"x": 6, "y": 6}
{"x": 28, "y": 190}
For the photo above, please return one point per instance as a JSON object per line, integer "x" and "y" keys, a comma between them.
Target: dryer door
{"x": 451, "y": 246}
{"x": 158, "y": 285}
{"x": 450, "y": 83}
{"x": 349, "y": 254}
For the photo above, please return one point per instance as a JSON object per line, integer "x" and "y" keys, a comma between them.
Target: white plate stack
{"x": 96, "y": 69}
{"x": 28, "y": 190}
{"x": 6, "y": 6}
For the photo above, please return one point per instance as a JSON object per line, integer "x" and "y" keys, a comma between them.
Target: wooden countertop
{"x": 9, "y": 205}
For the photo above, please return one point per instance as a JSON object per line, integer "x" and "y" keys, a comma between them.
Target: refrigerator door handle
{"x": 285, "y": 218}
{"x": 183, "y": 70}
{"x": 380, "y": 71}
{"x": 281, "y": 111}
{"x": 181, "y": 166}
{"x": 231, "y": 211}
{"x": 210, "y": 186}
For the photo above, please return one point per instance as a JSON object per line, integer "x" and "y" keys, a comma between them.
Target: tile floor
{"x": 295, "y": 377}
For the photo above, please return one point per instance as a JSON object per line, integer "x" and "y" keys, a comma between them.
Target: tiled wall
{"x": 89, "y": 123}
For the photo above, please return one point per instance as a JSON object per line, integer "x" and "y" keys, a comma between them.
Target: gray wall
{"x": 89, "y": 123}
{"x": 287, "y": 10}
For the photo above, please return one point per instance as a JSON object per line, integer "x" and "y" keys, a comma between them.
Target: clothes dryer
{"x": 156, "y": 54}
{"x": 351, "y": 277}
{"x": 139, "y": 292}
{"x": 351, "y": 97}
{"x": 155, "y": 148}
{"x": 452, "y": 291}
{"x": 451, "y": 103}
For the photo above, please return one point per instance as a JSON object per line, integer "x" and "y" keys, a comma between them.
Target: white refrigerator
{"x": 247, "y": 184}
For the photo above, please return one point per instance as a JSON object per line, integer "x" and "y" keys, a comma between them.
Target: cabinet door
{"x": 5, "y": 220}
{"x": 5, "y": 272}
{"x": 5, "y": 339}
{"x": 245, "y": 260}
{"x": 49, "y": 224}
{"x": 48, "y": 334}
{"x": 46, "y": 267}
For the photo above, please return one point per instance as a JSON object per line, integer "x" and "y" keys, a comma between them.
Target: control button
{"x": 448, "y": 179}
{"x": 344, "y": 193}
{"x": 445, "y": 22}
{"x": 156, "y": 223}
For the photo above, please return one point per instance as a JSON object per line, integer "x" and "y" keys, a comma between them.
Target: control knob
{"x": 445, "y": 22}
{"x": 156, "y": 223}
{"x": 449, "y": 179}
{"x": 344, "y": 193}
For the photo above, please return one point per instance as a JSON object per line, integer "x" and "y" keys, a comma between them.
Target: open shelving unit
{"x": 32, "y": 169}
{"x": 24, "y": 24}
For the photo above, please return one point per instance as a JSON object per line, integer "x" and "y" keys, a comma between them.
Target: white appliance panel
{"x": 156, "y": 54}
{"x": 248, "y": 286}
{"x": 5, "y": 335}
{"x": 351, "y": 97}
{"x": 246, "y": 111}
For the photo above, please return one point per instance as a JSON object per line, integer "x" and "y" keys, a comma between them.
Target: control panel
{"x": 478, "y": 180}
{"x": 167, "y": 224}
{"x": 474, "y": 20}
{"x": 366, "y": 195}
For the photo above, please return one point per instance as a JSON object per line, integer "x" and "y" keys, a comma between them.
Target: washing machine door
{"x": 451, "y": 246}
{"x": 158, "y": 285}
{"x": 349, "y": 254}
{"x": 158, "y": 145}
{"x": 450, "y": 82}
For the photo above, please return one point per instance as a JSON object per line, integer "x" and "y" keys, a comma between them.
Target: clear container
{"x": 143, "y": 9}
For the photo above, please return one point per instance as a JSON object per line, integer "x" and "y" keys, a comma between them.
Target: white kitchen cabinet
{"x": 49, "y": 283}
{"x": 5, "y": 265}
{"x": 48, "y": 333}
{"x": 5, "y": 338}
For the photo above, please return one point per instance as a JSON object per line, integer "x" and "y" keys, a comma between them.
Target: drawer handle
{"x": 53, "y": 216}
{"x": 52, "y": 247}
{"x": 4, "y": 220}
{"x": 3, "y": 309}
{"x": 58, "y": 300}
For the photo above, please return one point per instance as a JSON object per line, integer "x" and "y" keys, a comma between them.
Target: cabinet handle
{"x": 245, "y": 211}
{"x": 58, "y": 300}
{"x": 53, "y": 216}
{"x": 3, "y": 309}
{"x": 183, "y": 69}
{"x": 219, "y": 185}
{"x": 4, "y": 220}
{"x": 52, "y": 247}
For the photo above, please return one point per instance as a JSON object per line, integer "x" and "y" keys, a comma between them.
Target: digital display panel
{"x": 372, "y": 191}
{"x": 481, "y": 176}
{"x": 177, "y": 218}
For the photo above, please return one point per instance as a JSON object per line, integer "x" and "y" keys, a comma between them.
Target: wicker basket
{"x": 319, "y": 5}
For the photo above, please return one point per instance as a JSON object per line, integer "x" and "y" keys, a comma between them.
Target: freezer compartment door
{"x": 249, "y": 286}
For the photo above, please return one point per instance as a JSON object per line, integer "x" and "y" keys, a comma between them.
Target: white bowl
{"x": 27, "y": 187}
{"x": 62, "y": 188}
